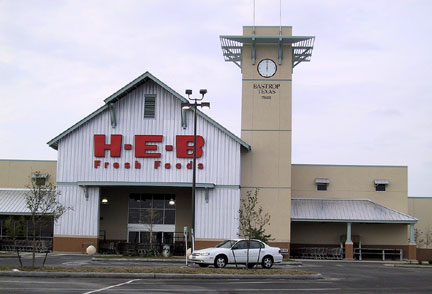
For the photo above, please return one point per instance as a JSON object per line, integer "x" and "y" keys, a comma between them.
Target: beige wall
{"x": 353, "y": 182}
{"x": 330, "y": 233}
{"x": 18, "y": 173}
{"x": 421, "y": 208}
{"x": 114, "y": 215}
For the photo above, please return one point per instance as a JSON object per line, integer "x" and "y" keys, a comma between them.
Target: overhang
{"x": 345, "y": 210}
{"x": 302, "y": 47}
{"x": 13, "y": 202}
{"x": 140, "y": 184}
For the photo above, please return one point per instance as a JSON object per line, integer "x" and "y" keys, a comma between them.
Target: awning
{"x": 345, "y": 210}
{"x": 322, "y": 181}
{"x": 13, "y": 202}
{"x": 381, "y": 182}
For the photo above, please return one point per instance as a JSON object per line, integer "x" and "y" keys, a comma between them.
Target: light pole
{"x": 194, "y": 106}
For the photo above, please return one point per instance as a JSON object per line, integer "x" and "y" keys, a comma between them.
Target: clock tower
{"x": 267, "y": 56}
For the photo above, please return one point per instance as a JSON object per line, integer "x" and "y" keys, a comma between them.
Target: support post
{"x": 349, "y": 250}
{"x": 412, "y": 246}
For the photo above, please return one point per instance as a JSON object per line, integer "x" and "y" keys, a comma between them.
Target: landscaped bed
{"x": 163, "y": 270}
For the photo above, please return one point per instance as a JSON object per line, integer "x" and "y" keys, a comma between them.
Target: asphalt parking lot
{"x": 338, "y": 277}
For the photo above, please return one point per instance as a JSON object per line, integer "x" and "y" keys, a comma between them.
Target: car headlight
{"x": 205, "y": 253}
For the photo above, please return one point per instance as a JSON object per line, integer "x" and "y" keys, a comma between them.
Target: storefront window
{"x": 151, "y": 209}
{"x": 158, "y": 237}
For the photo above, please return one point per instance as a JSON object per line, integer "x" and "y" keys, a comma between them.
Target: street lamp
{"x": 194, "y": 106}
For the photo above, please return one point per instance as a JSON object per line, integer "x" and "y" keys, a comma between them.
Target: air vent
{"x": 149, "y": 106}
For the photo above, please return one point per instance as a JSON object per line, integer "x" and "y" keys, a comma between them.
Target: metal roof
{"x": 345, "y": 210}
{"x": 13, "y": 201}
{"x": 301, "y": 46}
{"x": 53, "y": 143}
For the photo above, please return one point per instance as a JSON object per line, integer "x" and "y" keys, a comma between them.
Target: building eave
{"x": 53, "y": 143}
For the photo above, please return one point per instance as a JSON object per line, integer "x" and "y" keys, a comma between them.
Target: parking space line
{"x": 113, "y": 286}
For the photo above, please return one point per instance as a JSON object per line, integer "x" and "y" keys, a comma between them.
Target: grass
{"x": 162, "y": 269}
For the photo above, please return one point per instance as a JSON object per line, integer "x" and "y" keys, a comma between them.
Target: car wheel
{"x": 251, "y": 265}
{"x": 267, "y": 262}
{"x": 203, "y": 265}
{"x": 220, "y": 261}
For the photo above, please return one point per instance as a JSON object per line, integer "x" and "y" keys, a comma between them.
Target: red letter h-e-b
{"x": 100, "y": 146}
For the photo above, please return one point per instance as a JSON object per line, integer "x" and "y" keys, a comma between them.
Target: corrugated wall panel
{"x": 83, "y": 219}
{"x": 221, "y": 157}
{"x": 219, "y": 217}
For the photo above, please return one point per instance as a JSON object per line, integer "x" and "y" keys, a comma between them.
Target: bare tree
{"x": 428, "y": 237}
{"x": 150, "y": 217}
{"x": 253, "y": 220}
{"x": 43, "y": 204}
{"x": 418, "y": 235}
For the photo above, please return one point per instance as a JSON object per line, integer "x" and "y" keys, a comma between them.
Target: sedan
{"x": 237, "y": 251}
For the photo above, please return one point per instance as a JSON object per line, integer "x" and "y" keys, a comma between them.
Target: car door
{"x": 239, "y": 251}
{"x": 255, "y": 251}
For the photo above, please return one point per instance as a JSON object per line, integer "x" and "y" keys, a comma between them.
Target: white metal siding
{"x": 219, "y": 217}
{"x": 83, "y": 219}
{"x": 221, "y": 155}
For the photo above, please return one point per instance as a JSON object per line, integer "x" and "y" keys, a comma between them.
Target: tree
{"x": 418, "y": 237}
{"x": 150, "y": 217}
{"x": 253, "y": 220}
{"x": 428, "y": 237}
{"x": 43, "y": 204}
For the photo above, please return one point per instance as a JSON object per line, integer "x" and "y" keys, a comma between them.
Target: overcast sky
{"x": 364, "y": 99}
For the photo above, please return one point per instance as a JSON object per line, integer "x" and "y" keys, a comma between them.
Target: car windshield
{"x": 226, "y": 244}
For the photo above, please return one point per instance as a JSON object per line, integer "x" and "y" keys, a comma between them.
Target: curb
{"x": 170, "y": 260}
{"x": 409, "y": 265}
{"x": 155, "y": 276}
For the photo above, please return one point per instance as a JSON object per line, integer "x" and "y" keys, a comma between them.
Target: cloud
{"x": 363, "y": 99}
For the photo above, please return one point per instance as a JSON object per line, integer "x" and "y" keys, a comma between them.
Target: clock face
{"x": 267, "y": 68}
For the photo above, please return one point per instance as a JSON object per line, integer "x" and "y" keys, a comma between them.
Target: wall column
{"x": 412, "y": 246}
{"x": 349, "y": 252}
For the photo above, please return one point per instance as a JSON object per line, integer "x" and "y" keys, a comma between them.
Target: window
{"x": 381, "y": 185}
{"x": 256, "y": 245}
{"x": 144, "y": 237}
{"x": 149, "y": 106}
{"x": 151, "y": 209}
{"x": 39, "y": 179}
{"x": 321, "y": 187}
{"x": 321, "y": 184}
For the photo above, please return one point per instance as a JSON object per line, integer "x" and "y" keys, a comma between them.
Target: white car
{"x": 235, "y": 252}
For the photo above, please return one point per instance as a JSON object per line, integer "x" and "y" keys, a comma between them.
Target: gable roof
{"x": 345, "y": 210}
{"x": 53, "y": 143}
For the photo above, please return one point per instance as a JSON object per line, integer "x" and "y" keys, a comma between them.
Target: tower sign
{"x": 267, "y": 56}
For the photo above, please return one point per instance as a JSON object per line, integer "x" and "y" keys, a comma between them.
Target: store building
{"x": 136, "y": 150}
{"x": 132, "y": 157}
